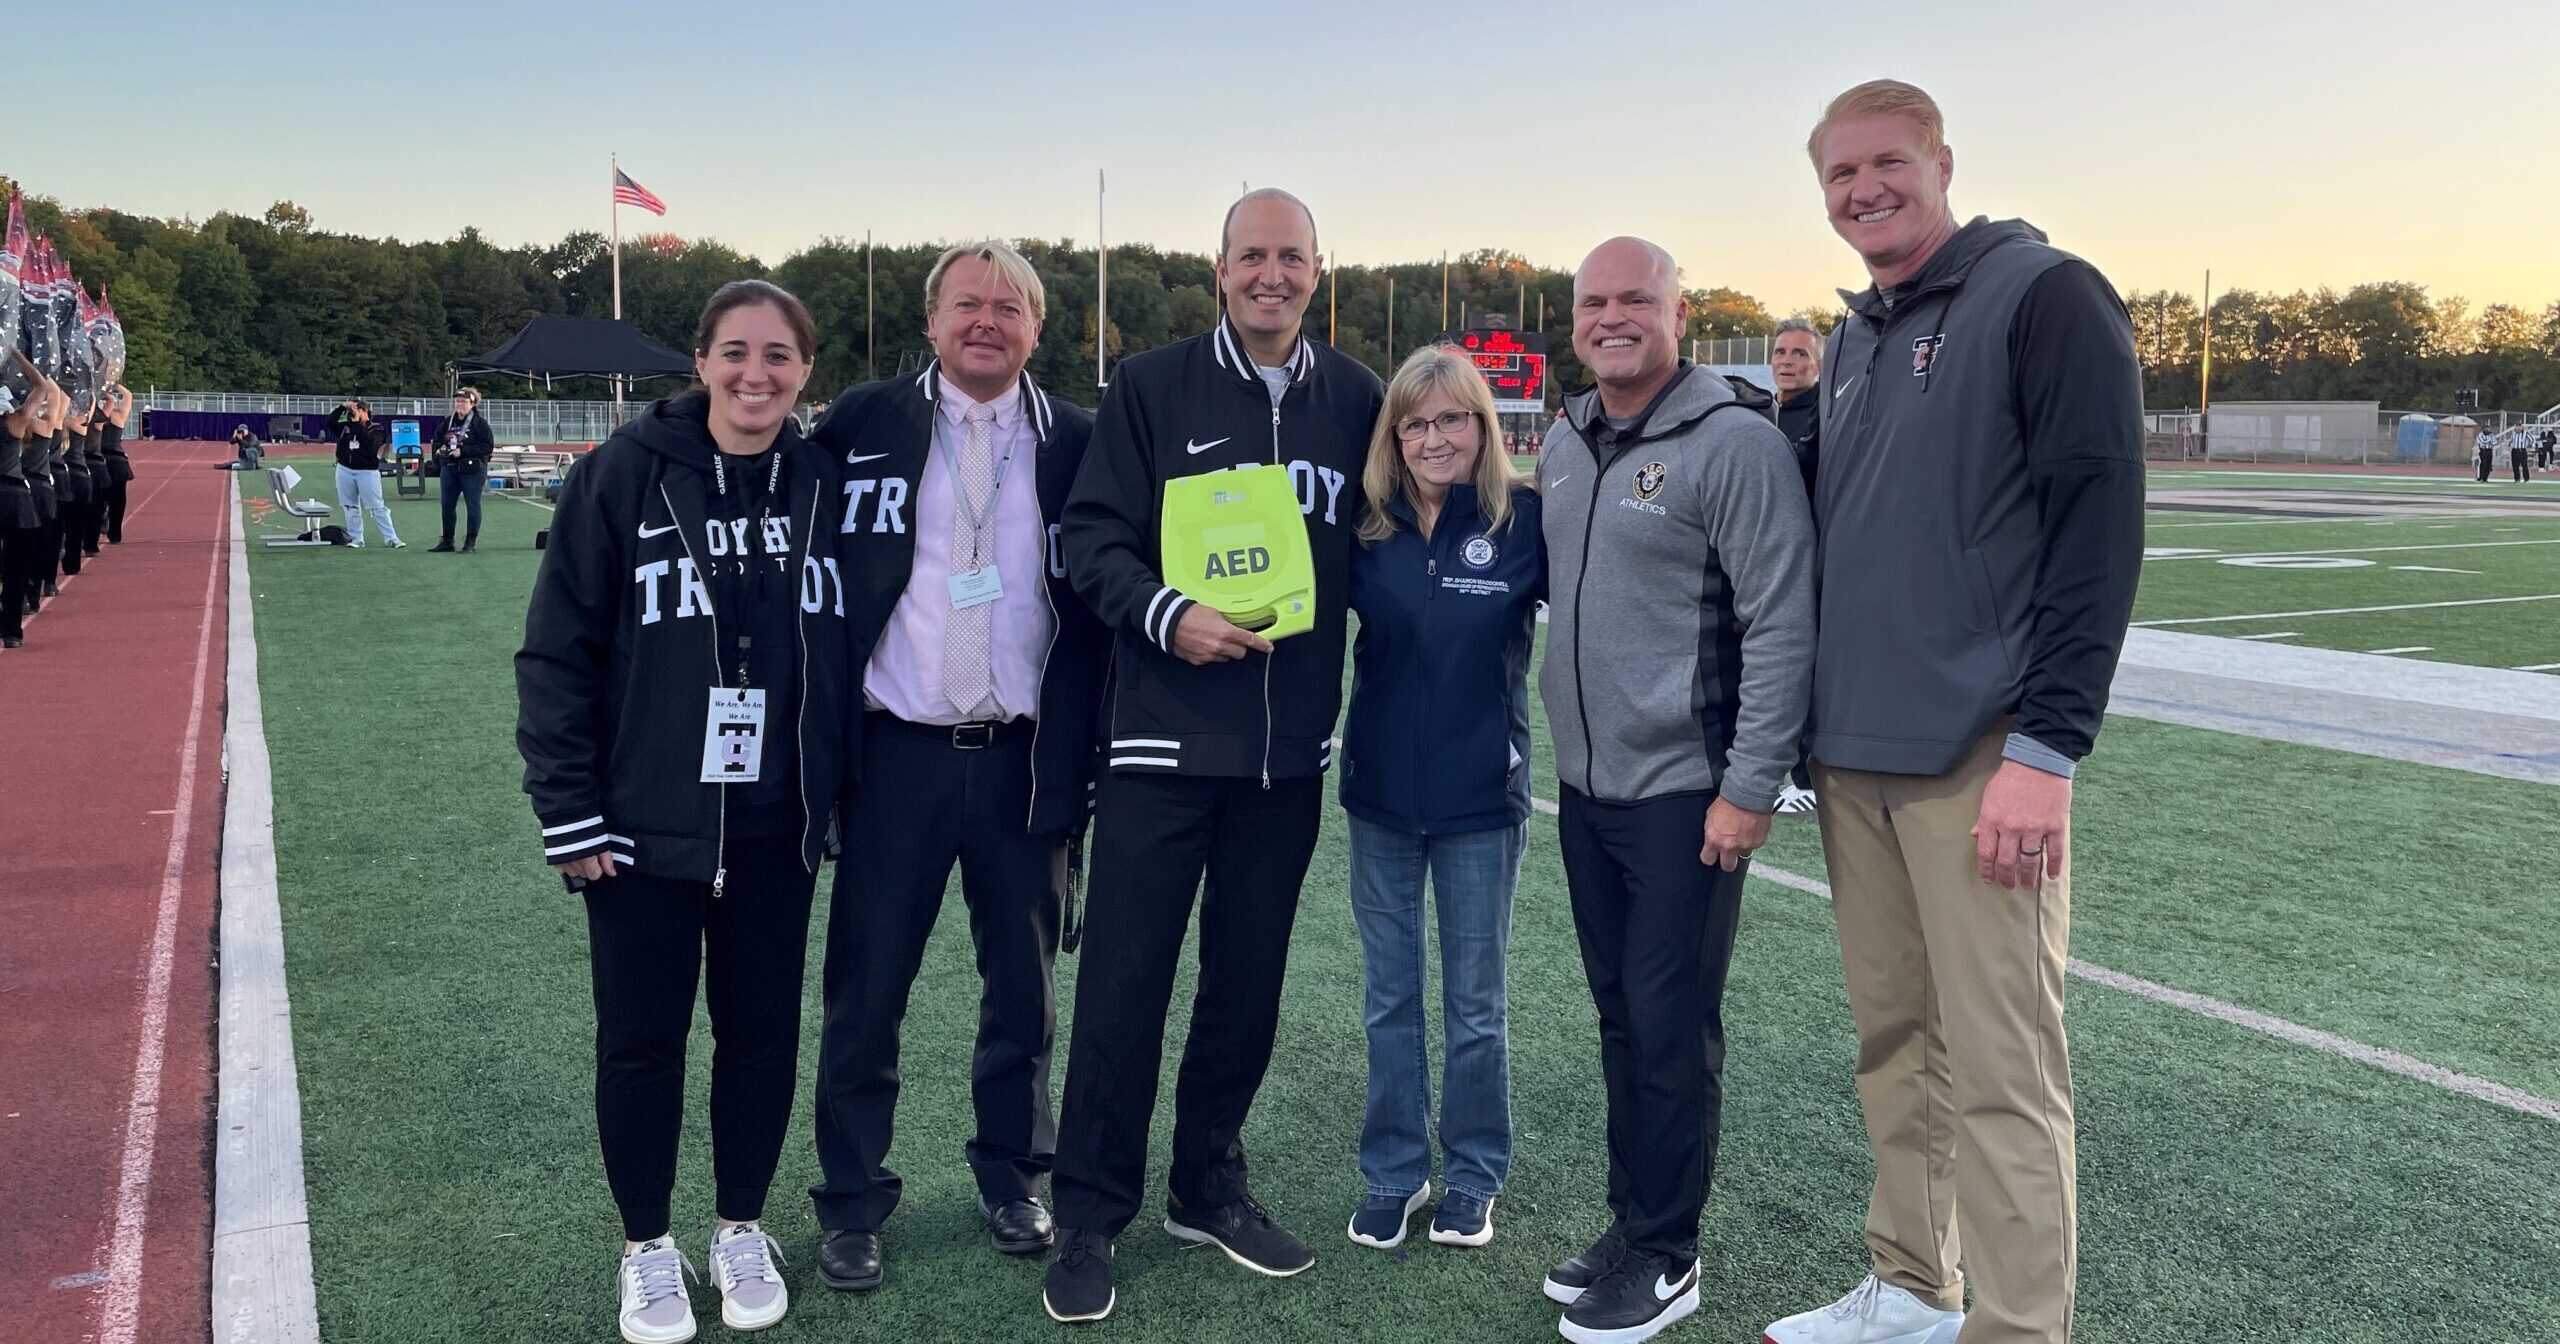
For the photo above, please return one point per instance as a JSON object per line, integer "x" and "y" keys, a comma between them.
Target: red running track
{"x": 109, "y": 855}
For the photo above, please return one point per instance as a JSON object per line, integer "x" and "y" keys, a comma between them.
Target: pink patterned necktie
{"x": 968, "y": 673}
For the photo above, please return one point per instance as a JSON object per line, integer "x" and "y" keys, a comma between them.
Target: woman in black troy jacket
{"x": 683, "y": 690}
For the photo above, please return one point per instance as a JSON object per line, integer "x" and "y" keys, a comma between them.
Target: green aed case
{"x": 1236, "y": 542}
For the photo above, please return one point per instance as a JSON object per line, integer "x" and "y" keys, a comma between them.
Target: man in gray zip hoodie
{"x": 1980, "y": 507}
{"x": 1679, "y": 655}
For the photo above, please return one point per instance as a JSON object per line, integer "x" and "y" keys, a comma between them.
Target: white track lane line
{"x": 2348, "y": 611}
{"x": 120, "y": 1317}
{"x": 2389, "y": 1061}
{"x": 2352, "y": 550}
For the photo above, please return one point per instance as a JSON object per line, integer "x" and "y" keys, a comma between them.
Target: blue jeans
{"x": 1473, "y": 875}
{"x": 359, "y": 497}
{"x": 460, "y": 485}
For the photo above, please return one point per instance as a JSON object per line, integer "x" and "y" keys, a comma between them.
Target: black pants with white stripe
{"x": 651, "y": 939}
{"x": 1656, "y": 928}
{"x": 925, "y": 805}
{"x": 1154, "y": 838}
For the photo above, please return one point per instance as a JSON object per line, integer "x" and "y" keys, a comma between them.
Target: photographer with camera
{"x": 360, "y": 445}
{"x": 462, "y": 454}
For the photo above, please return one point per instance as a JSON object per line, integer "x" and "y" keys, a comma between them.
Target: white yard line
{"x": 2357, "y": 550}
{"x": 2275, "y": 634}
{"x": 2434, "y": 569}
{"x": 2407, "y": 648}
{"x": 2538, "y": 667}
{"x": 2344, "y": 518}
{"x": 2348, "y": 611}
{"x": 2423, "y": 482}
{"x": 2389, "y": 1061}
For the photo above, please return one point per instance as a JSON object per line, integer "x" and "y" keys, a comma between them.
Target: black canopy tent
{"x": 579, "y": 347}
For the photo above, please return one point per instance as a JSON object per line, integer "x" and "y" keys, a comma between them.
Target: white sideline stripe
{"x": 2348, "y": 611}
{"x": 2428, "y": 483}
{"x": 2354, "y": 550}
{"x": 120, "y": 1317}
{"x": 2389, "y": 1061}
{"x": 2537, "y": 667}
{"x": 2435, "y": 569}
{"x": 2276, "y": 634}
{"x": 261, "y": 1233}
{"x": 2406, "y": 648}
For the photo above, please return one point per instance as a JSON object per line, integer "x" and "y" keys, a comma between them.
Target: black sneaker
{"x": 470, "y": 544}
{"x": 1566, "y": 1281}
{"x": 1640, "y": 1296}
{"x": 444, "y": 545}
{"x": 1379, "y": 1222}
{"x": 1078, "y": 1287}
{"x": 1245, "y": 1231}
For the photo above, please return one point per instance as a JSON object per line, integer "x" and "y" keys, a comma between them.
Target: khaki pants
{"x": 1963, "y": 1072}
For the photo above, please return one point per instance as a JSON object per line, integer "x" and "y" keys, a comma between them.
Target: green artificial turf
{"x": 2234, "y": 1187}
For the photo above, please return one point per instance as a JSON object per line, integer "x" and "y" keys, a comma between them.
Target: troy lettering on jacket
{"x": 1309, "y": 479}
{"x": 821, "y": 581}
{"x": 875, "y": 504}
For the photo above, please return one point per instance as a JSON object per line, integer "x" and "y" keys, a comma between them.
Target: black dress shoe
{"x": 849, "y": 1262}
{"x": 52, "y": 589}
{"x": 444, "y": 545}
{"x": 1019, "y": 1226}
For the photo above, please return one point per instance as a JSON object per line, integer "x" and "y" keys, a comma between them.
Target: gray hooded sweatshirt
{"x": 1680, "y": 572}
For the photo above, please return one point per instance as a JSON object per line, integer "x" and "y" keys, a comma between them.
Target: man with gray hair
{"x": 1795, "y": 365}
{"x": 1679, "y": 659}
{"x": 982, "y": 677}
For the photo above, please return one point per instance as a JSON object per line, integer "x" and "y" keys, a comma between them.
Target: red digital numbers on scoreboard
{"x": 1514, "y": 364}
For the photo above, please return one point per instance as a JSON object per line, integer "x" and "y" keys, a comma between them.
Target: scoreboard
{"x": 1514, "y": 365}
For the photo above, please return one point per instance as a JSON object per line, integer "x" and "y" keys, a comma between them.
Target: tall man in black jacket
{"x": 982, "y": 677}
{"x": 1216, "y": 741}
{"x": 1980, "y": 509}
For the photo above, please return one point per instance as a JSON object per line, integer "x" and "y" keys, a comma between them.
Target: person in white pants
{"x": 360, "y": 443}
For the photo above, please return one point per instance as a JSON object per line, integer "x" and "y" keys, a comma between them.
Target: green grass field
{"x": 2234, "y": 1187}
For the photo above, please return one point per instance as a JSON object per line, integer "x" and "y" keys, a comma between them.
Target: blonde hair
{"x": 1882, "y": 97}
{"x": 1012, "y": 265}
{"x": 1436, "y": 368}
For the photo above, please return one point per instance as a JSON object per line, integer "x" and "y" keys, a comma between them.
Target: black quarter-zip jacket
{"x": 880, "y": 435}
{"x": 623, "y": 643}
{"x": 1180, "y": 410}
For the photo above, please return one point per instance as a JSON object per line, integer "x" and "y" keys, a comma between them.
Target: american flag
{"x": 628, "y": 192}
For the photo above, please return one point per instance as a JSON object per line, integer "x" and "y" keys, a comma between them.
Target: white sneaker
{"x": 655, "y": 1308}
{"x": 1875, "y": 1312}
{"x": 1794, "y": 801}
{"x": 751, "y": 1292}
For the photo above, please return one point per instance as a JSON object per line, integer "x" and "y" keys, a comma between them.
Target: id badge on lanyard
{"x": 733, "y": 736}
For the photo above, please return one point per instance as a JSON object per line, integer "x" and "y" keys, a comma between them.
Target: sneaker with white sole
{"x": 1642, "y": 1295}
{"x": 1794, "y": 801}
{"x": 1462, "y": 1220}
{"x": 743, "y": 1261}
{"x": 655, "y": 1307}
{"x": 1379, "y": 1222}
{"x": 1875, "y": 1312}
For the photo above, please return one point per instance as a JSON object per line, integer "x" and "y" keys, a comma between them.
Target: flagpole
{"x": 616, "y": 184}
{"x": 1102, "y": 281}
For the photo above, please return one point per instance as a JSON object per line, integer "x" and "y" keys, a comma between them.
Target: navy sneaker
{"x": 1567, "y": 1281}
{"x": 1246, "y": 1232}
{"x": 1077, "y": 1287}
{"x": 1379, "y": 1221}
{"x": 1462, "y": 1220}
{"x": 1645, "y": 1293}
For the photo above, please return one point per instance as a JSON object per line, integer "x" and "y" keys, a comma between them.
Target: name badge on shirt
{"x": 976, "y": 587}
{"x": 733, "y": 737}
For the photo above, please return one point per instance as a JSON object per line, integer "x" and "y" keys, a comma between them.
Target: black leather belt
{"x": 961, "y": 736}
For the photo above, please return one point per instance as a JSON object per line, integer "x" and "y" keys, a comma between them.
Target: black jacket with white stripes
{"x": 622, "y": 645}
{"x": 881, "y": 434}
{"x": 1199, "y": 406}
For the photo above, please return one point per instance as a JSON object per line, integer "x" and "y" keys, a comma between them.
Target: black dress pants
{"x": 927, "y": 804}
{"x": 1154, "y": 838}
{"x": 1656, "y": 928}
{"x": 21, "y": 573}
{"x": 651, "y": 939}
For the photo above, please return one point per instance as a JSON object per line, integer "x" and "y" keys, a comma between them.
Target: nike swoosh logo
{"x": 855, "y": 460}
{"x": 647, "y": 531}
{"x": 1558, "y": 481}
{"x": 1190, "y": 447}
{"x": 1664, "y": 1289}
{"x": 1844, "y": 387}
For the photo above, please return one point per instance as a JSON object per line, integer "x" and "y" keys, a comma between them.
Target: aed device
{"x": 1235, "y": 541}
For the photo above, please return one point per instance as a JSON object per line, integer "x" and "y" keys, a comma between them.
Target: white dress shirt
{"x": 904, "y": 676}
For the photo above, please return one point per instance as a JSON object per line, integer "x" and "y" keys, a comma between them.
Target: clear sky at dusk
{"x": 2284, "y": 146}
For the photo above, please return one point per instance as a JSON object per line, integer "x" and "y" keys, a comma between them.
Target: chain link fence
{"x": 513, "y": 422}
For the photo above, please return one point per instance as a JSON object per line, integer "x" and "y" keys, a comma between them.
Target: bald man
{"x": 1679, "y": 662}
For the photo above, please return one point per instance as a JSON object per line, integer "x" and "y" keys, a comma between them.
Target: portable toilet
{"x": 2417, "y": 438}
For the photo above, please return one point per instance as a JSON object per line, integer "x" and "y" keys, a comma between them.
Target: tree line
{"x": 277, "y": 304}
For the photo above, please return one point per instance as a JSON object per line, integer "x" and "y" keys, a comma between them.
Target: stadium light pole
{"x": 1444, "y": 291}
{"x": 1332, "y": 305}
{"x": 1391, "y": 317}
{"x": 870, "y": 330}
{"x": 2204, "y": 377}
